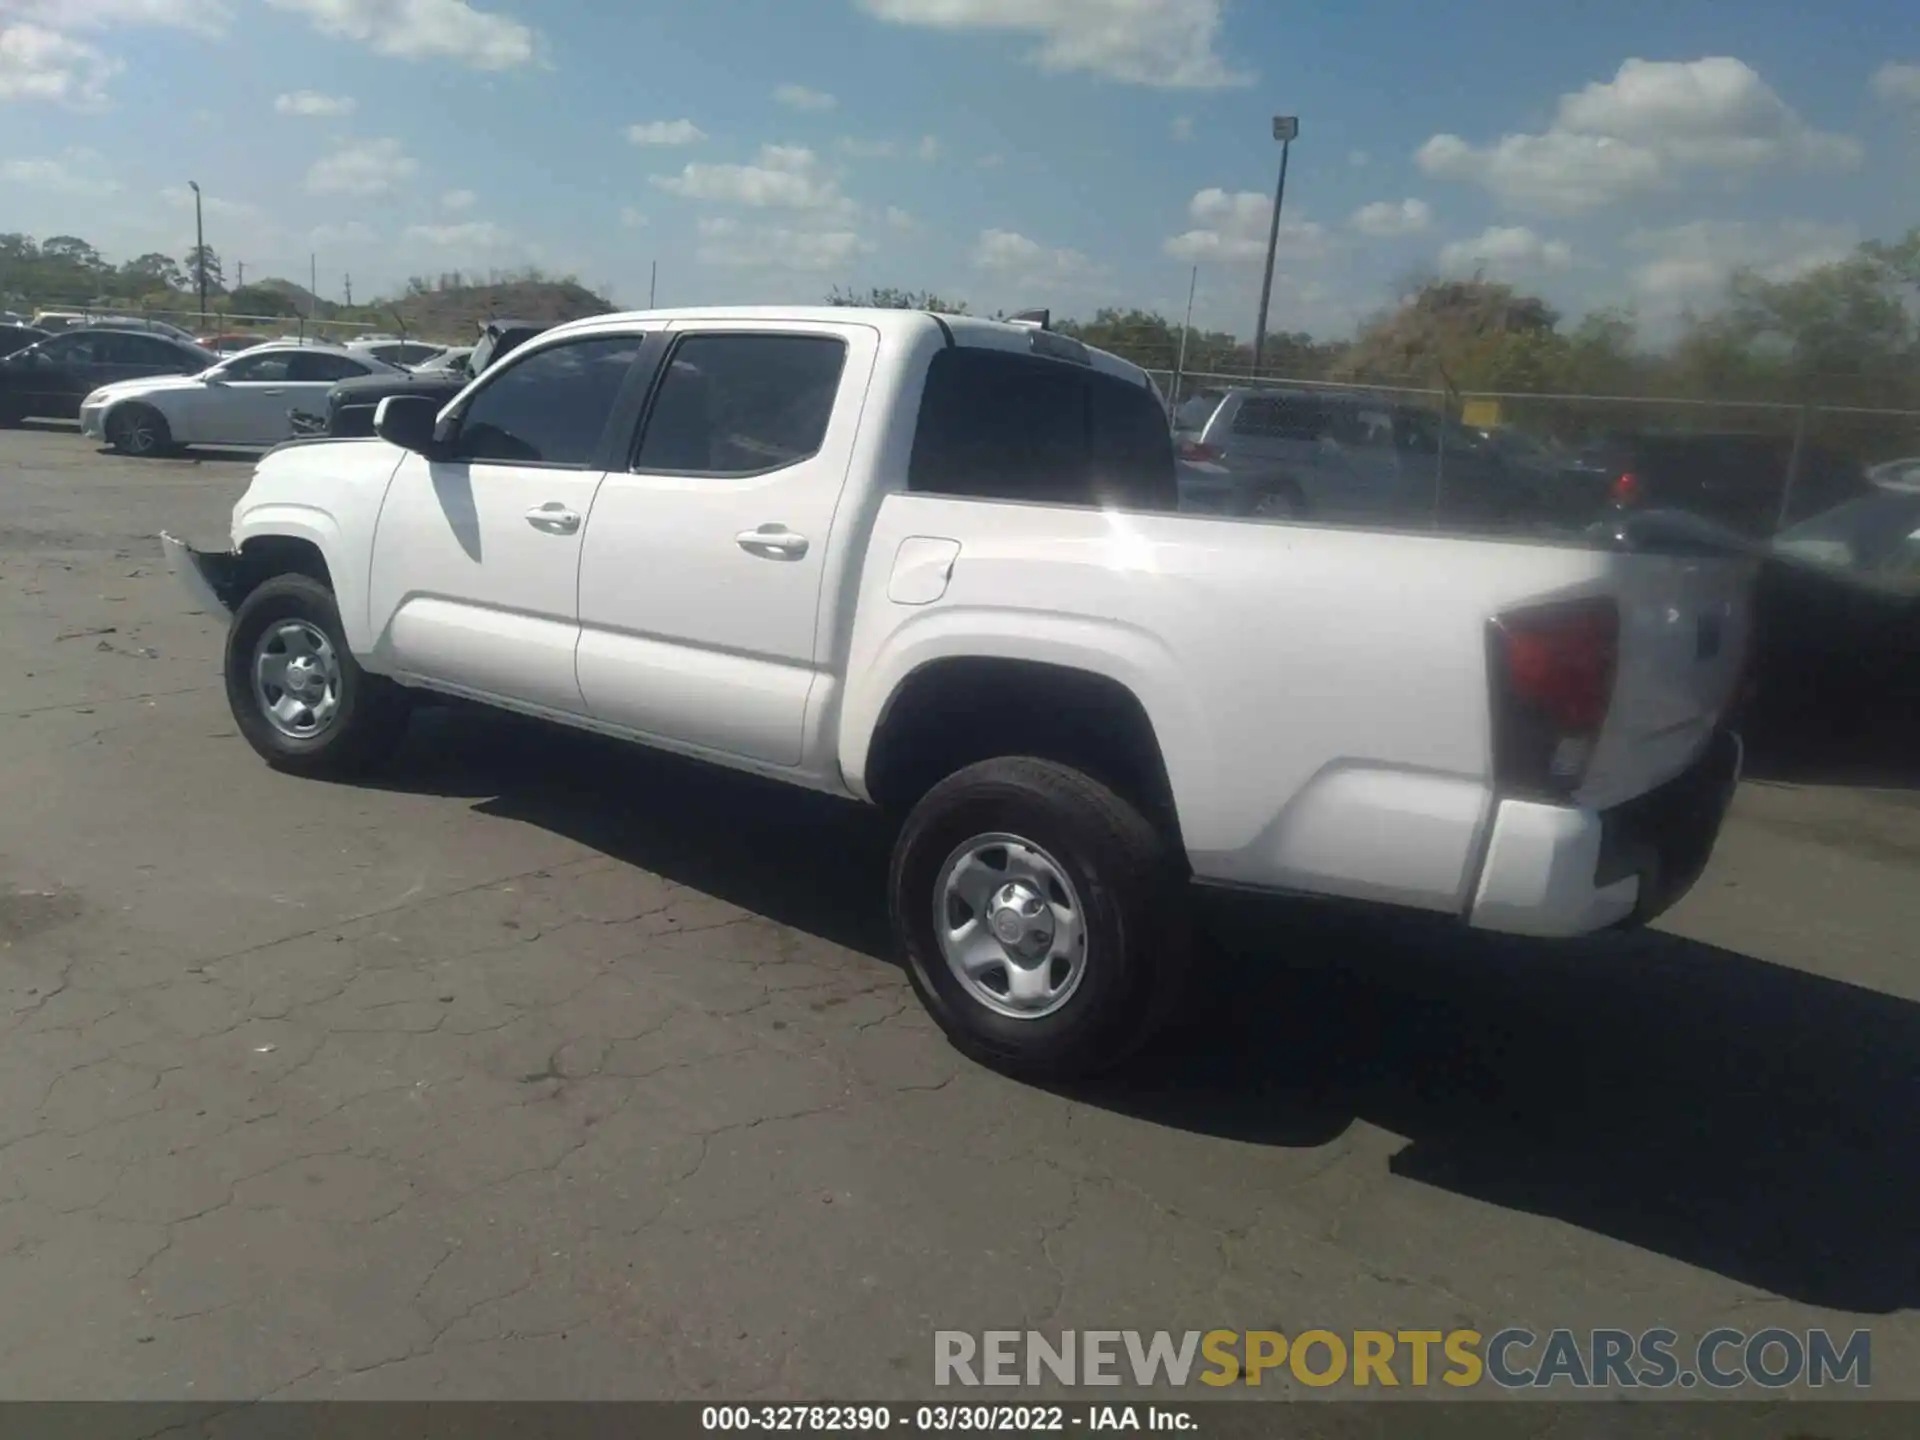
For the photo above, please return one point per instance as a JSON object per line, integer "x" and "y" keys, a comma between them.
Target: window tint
{"x": 266, "y": 369}
{"x": 73, "y": 349}
{"x": 1001, "y": 426}
{"x": 146, "y": 350}
{"x": 550, "y": 407}
{"x": 742, "y": 404}
{"x": 314, "y": 366}
{"x": 1272, "y": 417}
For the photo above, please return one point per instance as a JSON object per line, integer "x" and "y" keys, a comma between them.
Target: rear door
{"x": 311, "y": 376}
{"x": 247, "y": 403}
{"x": 701, "y": 575}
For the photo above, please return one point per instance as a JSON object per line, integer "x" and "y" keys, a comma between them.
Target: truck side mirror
{"x": 409, "y": 421}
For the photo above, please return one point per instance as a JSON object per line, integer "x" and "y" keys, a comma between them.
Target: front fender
{"x": 346, "y": 570}
{"x": 1122, "y": 653}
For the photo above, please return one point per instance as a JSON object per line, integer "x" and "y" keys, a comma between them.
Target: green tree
{"x": 263, "y": 300}
{"x": 885, "y": 297}
{"x": 152, "y": 271}
{"x": 201, "y": 261}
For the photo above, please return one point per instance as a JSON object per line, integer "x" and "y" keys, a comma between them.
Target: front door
{"x": 700, "y": 581}
{"x": 476, "y": 557}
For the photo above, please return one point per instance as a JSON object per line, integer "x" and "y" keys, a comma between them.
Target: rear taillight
{"x": 1625, "y": 489}
{"x": 1553, "y": 670}
{"x": 1194, "y": 450}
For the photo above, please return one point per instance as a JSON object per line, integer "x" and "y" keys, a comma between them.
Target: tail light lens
{"x": 1625, "y": 489}
{"x": 1553, "y": 670}
{"x": 1194, "y": 450}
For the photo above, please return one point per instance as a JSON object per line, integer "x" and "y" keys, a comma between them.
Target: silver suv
{"x": 1336, "y": 455}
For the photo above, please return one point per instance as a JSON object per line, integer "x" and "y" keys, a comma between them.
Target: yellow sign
{"x": 1480, "y": 414}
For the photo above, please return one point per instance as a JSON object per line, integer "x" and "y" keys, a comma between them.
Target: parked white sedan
{"x": 245, "y": 400}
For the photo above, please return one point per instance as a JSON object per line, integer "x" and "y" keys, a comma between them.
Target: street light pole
{"x": 199, "y": 252}
{"x": 1285, "y": 128}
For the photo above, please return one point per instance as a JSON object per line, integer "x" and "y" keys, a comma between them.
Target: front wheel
{"x": 140, "y": 431}
{"x": 297, "y": 693}
{"x": 1043, "y": 918}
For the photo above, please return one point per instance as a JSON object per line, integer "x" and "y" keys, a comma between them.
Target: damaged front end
{"x": 213, "y": 579}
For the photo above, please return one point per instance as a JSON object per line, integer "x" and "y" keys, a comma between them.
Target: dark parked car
{"x": 18, "y": 337}
{"x": 51, "y": 377}
{"x": 1733, "y": 480}
{"x": 351, "y": 403}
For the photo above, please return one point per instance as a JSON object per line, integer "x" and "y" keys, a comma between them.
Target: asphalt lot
{"x": 544, "y": 1069}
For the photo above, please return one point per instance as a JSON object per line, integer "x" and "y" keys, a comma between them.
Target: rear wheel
{"x": 1043, "y": 918}
{"x": 297, "y": 693}
{"x": 139, "y": 430}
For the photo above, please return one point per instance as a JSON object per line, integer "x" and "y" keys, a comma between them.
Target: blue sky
{"x": 1008, "y": 152}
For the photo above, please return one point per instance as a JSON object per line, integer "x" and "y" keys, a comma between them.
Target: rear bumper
{"x": 206, "y": 577}
{"x": 1555, "y": 870}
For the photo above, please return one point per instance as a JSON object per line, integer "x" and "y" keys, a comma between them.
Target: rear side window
{"x": 550, "y": 407}
{"x": 317, "y": 367}
{"x": 270, "y": 368}
{"x": 1273, "y": 417}
{"x": 742, "y": 404}
{"x": 1000, "y": 426}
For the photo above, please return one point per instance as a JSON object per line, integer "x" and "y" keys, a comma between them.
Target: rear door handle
{"x": 554, "y": 518}
{"x": 772, "y": 542}
{"x": 273, "y": 392}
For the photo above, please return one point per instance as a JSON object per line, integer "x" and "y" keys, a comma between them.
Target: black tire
{"x": 1276, "y": 500}
{"x": 369, "y": 714}
{"x": 140, "y": 431}
{"x": 1129, "y": 885}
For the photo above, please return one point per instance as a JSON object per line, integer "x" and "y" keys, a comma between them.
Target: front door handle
{"x": 772, "y": 542}
{"x": 554, "y": 518}
{"x": 275, "y": 391}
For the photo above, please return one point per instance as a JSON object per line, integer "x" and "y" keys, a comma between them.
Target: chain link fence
{"x": 213, "y": 323}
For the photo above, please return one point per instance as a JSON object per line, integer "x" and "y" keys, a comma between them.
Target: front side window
{"x": 550, "y": 407}
{"x": 73, "y": 349}
{"x": 271, "y": 368}
{"x": 742, "y": 404}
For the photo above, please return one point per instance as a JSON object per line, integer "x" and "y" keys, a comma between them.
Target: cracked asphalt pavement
{"x": 544, "y": 1068}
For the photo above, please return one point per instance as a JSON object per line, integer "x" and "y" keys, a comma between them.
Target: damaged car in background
{"x": 348, "y": 408}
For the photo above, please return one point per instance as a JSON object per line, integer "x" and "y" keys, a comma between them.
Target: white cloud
{"x": 465, "y": 235}
{"x": 1642, "y": 131}
{"x": 1689, "y": 265}
{"x": 41, "y": 64}
{"x": 799, "y": 97}
{"x": 727, "y": 244}
{"x": 1897, "y": 84}
{"x": 1359, "y": 159}
{"x": 208, "y": 17}
{"x": 342, "y": 236}
{"x": 1505, "y": 252}
{"x": 898, "y": 219}
{"x": 1166, "y": 43}
{"x": 632, "y": 219}
{"x": 665, "y": 132}
{"x": 1234, "y": 228}
{"x": 364, "y": 167}
{"x": 869, "y": 149}
{"x": 423, "y": 30}
{"x": 459, "y": 200}
{"x": 1383, "y": 219}
{"x": 783, "y": 177}
{"x": 928, "y": 149}
{"x": 1014, "y": 257}
{"x": 1182, "y": 127}
{"x": 312, "y": 103}
{"x": 76, "y": 173}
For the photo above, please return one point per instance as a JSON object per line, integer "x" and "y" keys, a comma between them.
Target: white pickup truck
{"x": 936, "y": 564}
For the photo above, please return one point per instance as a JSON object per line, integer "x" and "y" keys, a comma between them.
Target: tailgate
{"x": 1685, "y": 627}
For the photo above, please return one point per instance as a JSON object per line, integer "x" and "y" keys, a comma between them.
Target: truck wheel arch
{"x": 952, "y": 712}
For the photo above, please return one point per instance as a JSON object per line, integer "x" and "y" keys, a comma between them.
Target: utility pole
{"x": 199, "y": 251}
{"x": 349, "y": 292}
{"x": 653, "y": 283}
{"x": 1285, "y": 128}
{"x": 239, "y": 273}
{"x": 1186, "y": 329}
